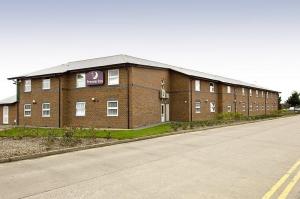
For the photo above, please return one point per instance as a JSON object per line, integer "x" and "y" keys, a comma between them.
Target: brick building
{"x": 127, "y": 92}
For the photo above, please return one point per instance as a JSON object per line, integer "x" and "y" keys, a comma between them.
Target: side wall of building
{"x": 145, "y": 102}
{"x": 12, "y": 113}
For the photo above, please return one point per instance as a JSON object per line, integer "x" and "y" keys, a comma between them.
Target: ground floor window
{"x": 80, "y": 109}
{"x": 212, "y": 107}
{"x": 112, "y": 108}
{"x": 198, "y": 107}
{"x": 257, "y": 107}
{"x": 244, "y": 107}
{"x": 250, "y": 107}
{"x": 229, "y": 108}
{"x": 27, "y": 110}
{"x": 46, "y": 110}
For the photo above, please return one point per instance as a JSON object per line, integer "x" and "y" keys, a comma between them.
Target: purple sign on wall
{"x": 94, "y": 78}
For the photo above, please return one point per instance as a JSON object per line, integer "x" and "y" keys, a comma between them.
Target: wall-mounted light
{"x": 185, "y": 101}
{"x": 206, "y": 100}
{"x": 33, "y": 101}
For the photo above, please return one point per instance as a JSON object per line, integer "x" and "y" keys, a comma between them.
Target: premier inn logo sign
{"x": 94, "y": 78}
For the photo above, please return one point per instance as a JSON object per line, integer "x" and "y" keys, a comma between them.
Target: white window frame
{"x": 229, "y": 108}
{"x": 262, "y": 107}
{"x": 46, "y": 109}
{"x": 212, "y": 107}
{"x": 262, "y": 94}
{"x": 197, "y": 85}
{"x": 80, "y": 112}
{"x": 251, "y": 107}
{"x": 257, "y": 93}
{"x": 81, "y": 83}
{"x": 112, "y": 108}
{"x": 113, "y": 79}
{"x": 243, "y": 91}
{"x": 257, "y": 107}
{"x": 244, "y": 107}
{"x": 250, "y": 92}
{"x": 198, "y": 107}
{"x": 228, "y": 89}
{"x": 27, "y": 110}
{"x": 211, "y": 87}
{"x": 267, "y": 94}
{"x": 46, "y": 84}
{"x": 27, "y": 85}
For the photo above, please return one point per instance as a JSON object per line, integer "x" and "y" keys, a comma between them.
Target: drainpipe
{"x": 191, "y": 98}
{"x": 248, "y": 102}
{"x": 16, "y": 82}
{"x": 128, "y": 97}
{"x": 59, "y": 102}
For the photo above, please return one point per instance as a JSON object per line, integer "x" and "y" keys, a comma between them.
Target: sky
{"x": 256, "y": 41}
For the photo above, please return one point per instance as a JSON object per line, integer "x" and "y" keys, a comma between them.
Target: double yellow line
{"x": 282, "y": 180}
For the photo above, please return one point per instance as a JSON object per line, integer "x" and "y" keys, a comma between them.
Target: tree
{"x": 294, "y": 100}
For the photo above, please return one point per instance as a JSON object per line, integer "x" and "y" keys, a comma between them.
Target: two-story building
{"x": 128, "y": 92}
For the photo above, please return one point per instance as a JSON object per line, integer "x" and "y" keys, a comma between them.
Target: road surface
{"x": 243, "y": 162}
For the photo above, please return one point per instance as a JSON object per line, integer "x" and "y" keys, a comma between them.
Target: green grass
{"x": 224, "y": 118}
{"x": 19, "y": 132}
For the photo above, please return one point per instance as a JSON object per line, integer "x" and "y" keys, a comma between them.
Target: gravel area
{"x": 10, "y": 147}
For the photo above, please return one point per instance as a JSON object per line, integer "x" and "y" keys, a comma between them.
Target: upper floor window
{"x": 267, "y": 94}
{"x": 80, "y": 109}
{"x": 243, "y": 91}
{"x": 262, "y": 94}
{"x": 46, "y": 84}
{"x": 256, "y": 93}
{"x": 27, "y": 110}
{"x": 212, "y": 107}
{"x": 198, "y": 107}
{"x": 46, "y": 110}
{"x": 112, "y": 108}
{"x": 80, "y": 80}
{"x": 113, "y": 77}
{"x": 250, "y": 92}
{"x": 27, "y": 85}
{"x": 211, "y": 87}
{"x": 228, "y": 89}
{"x": 197, "y": 85}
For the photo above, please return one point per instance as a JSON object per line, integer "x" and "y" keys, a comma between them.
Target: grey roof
{"x": 120, "y": 59}
{"x": 9, "y": 100}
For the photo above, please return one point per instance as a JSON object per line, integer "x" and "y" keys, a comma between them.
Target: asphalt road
{"x": 242, "y": 162}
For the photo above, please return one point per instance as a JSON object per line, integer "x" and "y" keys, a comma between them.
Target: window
{"x": 80, "y": 80}
{"x": 250, "y": 107}
{"x": 228, "y": 89}
{"x": 229, "y": 108}
{"x": 244, "y": 107}
{"x": 267, "y": 94}
{"x": 262, "y": 94}
{"x": 243, "y": 91}
{"x": 197, "y": 85}
{"x": 263, "y": 107}
{"x": 46, "y": 84}
{"x": 113, "y": 77}
{"x": 80, "y": 109}
{"x": 250, "y": 92}
{"x": 112, "y": 108}
{"x": 46, "y": 110}
{"x": 256, "y": 93}
{"x": 268, "y": 107}
{"x": 212, "y": 107}
{"x": 27, "y": 110}
{"x": 257, "y": 107}
{"x": 198, "y": 107}
{"x": 211, "y": 87}
{"x": 27, "y": 85}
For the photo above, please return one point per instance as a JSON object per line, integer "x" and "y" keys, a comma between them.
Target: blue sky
{"x": 254, "y": 41}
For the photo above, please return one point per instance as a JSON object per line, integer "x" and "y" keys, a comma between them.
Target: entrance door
{"x": 163, "y": 113}
{"x": 167, "y": 112}
{"x": 5, "y": 114}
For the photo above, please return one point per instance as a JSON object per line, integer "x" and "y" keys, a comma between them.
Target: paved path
{"x": 242, "y": 162}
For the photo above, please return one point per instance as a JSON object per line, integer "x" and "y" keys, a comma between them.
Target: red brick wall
{"x": 205, "y": 97}
{"x": 12, "y": 113}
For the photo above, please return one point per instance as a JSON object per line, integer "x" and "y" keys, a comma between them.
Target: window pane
{"x": 113, "y": 77}
{"x": 80, "y": 80}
